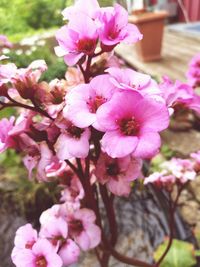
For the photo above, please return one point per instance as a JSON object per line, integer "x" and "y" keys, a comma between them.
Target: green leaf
{"x": 181, "y": 254}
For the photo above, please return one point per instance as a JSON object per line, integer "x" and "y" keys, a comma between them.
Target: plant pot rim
{"x": 148, "y": 16}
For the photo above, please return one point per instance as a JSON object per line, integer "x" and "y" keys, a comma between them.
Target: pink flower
{"x": 83, "y": 230}
{"x": 84, "y": 100}
{"x": 25, "y": 237}
{"x": 55, "y": 230}
{"x": 118, "y": 173}
{"x": 76, "y": 39}
{"x": 72, "y": 142}
{"x": 42, "y": 254}
{"x": 80, "y": 7}
{"x": 196, "y": 156}
{"x": 4, "y": 42}
{"x": 193, "y": 73}
{"x": 69, "y": 252}
{"x": 182, "y": 169}
{"x": 55, "y": 168}
{"x": 133, "y": 80}
{"x": 176, "y": 94}
{"x": 160, "y": 179}
{"x": 73, "y": 191}
{"x": 25, "y": 79}
{"x": 6, "y": 141}
{"x": 114, "y": 27}
{"x": 132, "y": 123}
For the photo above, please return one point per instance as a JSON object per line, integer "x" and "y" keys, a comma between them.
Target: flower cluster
{"x": 63, "y": 232}
{"x": 90, "y": 24}
{"x": 175, "y": 171}
{"x": 193, "y": 73}
{"x": 179, "y": 95}
{"x": 89, "y": 132}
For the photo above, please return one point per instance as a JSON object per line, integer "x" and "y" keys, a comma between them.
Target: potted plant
{"x": 151, "y": 25}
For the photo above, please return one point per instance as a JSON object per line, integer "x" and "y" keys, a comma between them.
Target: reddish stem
{"x": 172, "y": 210}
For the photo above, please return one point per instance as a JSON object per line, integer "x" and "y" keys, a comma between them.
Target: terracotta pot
{"x": 151, "y": 25}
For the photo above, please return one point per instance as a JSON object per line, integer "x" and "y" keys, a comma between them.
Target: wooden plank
{"x": 177, "y": 50}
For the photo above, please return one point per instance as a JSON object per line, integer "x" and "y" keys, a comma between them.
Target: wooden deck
{"x": 177, "y": 50}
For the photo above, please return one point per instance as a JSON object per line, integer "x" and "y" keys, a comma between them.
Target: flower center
{"x": 76, "y": 226}
{"x": 112, "y": 169}
{"x": 29, "y": 245}
{"x": 86, "y": 46}
{"x": 74, "y": 131}
{"x": 129, "y": 127}
{"x": 95, "y": 103}
{"x": 41, "y": 262}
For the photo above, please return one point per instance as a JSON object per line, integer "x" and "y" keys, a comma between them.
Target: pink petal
{"x": 148, "y": 145}
{"x": 69, "y": 252}
{"x": 117, "y": 146}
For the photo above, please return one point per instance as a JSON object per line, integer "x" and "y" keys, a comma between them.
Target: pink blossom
{"x": 69, "y": 252}
{"x": 55, "y": 230}
{"x": 48, "y": 165}
{"x": 73, "y": 191}
{"x": 25, "y": 79}
{"x": 83, "y": 230}
{"x": 193, "y": 73}
{"x": 76, "y": 39}
{"x": 72, "y": 142}
{"x": 132, "y": 123}
{"x": 6, "y": 127}
{"x": 7, "y": 71}
{"x": 196, "y": 156}
{"x": 25, "y": 237}
{"x": 179, "y": 94}
{"x": 84, "y": 101}
{"x": 133, "y": 80}
{"x": 55, "y": 168}
{"x": 118, "y": 173}
{"x": 4, "y": 42}
{"x": 42, "y": 254}
{"x": 182, "y": 169}
{"x": 80, "y": 7}
{"x": 114, "y": 27}
{"x": 160, "y": 179}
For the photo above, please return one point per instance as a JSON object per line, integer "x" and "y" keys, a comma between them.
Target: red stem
{"x": 172, "y": 210}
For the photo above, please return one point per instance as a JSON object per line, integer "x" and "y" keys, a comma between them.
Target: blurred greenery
{"x": 22, "y": 16}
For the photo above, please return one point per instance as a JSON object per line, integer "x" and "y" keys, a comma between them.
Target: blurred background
{"x": 30, "y": 27}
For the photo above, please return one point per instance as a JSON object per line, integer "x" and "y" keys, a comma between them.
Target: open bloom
{"x": 118, "y": 173}
{"x": 6, "y": 140}
{"x": 80, "y": 7}
{"x": 84, "y": 100}
{"x": 76, "y": 39}
{"x": 42, "y": 254}
{"x": 132, "y": 123}
{"x": 133, "y": 80}
{"x": 72, "y": 142}
{"x": 25, "y": 237}
{"x": 83, "y": 230}
{"x": 182, "y": 169}
{"x": 114, "y": 27}
{"x": 179, "y": 94}
{"x": 193, "y": 73}
{"x": 69, "y": 252}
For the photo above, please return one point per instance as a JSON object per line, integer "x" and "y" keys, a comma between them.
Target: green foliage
{"x": 181, "y": 254}
{"x": 56, "y": 70}
{"x": 106, "y": 2}
{"x": 24, "y": 59}
{"x": 20, "y": 16}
